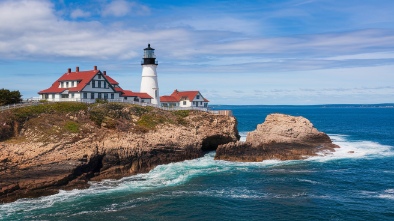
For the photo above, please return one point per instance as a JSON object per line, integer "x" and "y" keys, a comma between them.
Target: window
{"x": 93, "y": 83}
{"x": 205, "y": 104}
{"x": 99, "y": 76}
{"x": 85, "y": 95}
{"x": 46, "y": 96}
{"x": 105, "y": 96}
{"x": 64, "y": 95}
{"x": 184, "y": 102}
{"x": 200, "y": 102}
{"x": 198, "y": 97}
{"x": 112, "y": 96}
{"x": 105, "y": 84}
{"x": 66, "y": 84}
{"x": 99, "y": 84}
{"x": 92, "y": 96}
{"x": 72, "y": 95}
{"x": 156, "y": 94}
{"x": 99, "y": 96}
{"x": 53, "y": 96}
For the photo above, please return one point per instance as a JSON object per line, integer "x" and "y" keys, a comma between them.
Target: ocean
{"x": 340, "y": 186}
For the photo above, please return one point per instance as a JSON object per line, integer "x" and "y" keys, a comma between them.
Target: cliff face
{"x": 280, "y": 137}
{"x": 55, "y": 151}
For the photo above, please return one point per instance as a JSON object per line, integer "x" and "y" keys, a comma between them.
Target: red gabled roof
{"x": 110, "y": 80}
{"x": 177, "y": 96}
{"x": 128, "y": 93}
{"x": 168, "y": 99}
{"x": 84, "y": 77}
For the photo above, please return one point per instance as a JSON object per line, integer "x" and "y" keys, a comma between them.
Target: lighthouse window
{"x": 155, "y": 93}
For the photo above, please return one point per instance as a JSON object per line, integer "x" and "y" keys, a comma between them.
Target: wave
{"x": 354, "y": 149}
{"x": 175, "y": 174}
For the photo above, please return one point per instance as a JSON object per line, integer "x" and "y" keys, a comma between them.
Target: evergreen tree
{"x": 9, "y": 97}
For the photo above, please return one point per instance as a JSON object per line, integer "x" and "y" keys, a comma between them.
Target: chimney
{"x": 69, "y": 70}
{"x": 105, "y": 72}
{"x": 95, "y": 68}
{"x": 77, "y": 69}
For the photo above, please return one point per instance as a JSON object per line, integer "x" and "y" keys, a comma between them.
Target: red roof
{"x": 110, "y": 80}
{"x": 83, "y": 77}
{"x": 168, "y": 99}
{"x": 177, "y": 96}
{"x": 127, "y": 93}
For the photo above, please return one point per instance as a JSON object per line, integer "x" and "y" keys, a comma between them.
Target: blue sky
{"x": 234, "y": 52}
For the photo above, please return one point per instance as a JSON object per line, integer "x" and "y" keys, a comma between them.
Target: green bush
{"x": 150, "y": 121}
{"x": 9, "y": 97}
{"x": 72, "y": 126}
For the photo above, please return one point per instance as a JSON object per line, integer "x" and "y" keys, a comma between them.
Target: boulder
{"x": 281, "y": 137}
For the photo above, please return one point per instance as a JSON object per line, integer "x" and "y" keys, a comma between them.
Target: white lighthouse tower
{"x": 149, "y": 83}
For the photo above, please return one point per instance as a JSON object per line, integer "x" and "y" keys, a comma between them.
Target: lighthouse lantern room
{"x": 149, "y": 83}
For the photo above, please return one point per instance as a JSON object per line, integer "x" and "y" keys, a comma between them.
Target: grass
{"x": 72, "y": 126}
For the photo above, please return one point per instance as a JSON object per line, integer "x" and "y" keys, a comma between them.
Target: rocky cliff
{"x": 45, "y": 149}
{"x": 280, "y": 137}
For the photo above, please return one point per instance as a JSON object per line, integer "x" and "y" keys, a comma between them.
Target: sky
{"x": 234, "y": 52}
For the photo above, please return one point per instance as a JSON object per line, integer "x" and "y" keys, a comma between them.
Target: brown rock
{"x": 281, "y": 137}
{"x": 44, "y": 158}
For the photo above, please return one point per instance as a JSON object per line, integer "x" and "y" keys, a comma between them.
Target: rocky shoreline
{"x": 42, "y": 157}
{"x": 45, "y": 150}
{"x": 280, "y": 137}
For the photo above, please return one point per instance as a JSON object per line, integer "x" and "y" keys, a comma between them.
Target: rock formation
{"x": 280, "y": 137}
{"x": 53, "y": 151}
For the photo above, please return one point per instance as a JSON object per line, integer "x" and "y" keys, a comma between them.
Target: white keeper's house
{"x": 184, "y": 99}
{"x": 87, "y": 86}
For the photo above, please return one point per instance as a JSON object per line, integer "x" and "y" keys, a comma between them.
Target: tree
{"x": 9, "y": 97}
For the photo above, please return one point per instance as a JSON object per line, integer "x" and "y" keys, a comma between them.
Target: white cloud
{"x": 120, "y": 8}
{"x": 117, "y": 8}
{"x": 78, "y": 13}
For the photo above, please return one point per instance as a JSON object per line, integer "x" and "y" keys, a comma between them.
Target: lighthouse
{"x": 149, "y": 83}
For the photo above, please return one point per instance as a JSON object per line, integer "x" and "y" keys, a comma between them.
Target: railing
{"x": 31, "y": 102}
{"x": 12, "y": 106}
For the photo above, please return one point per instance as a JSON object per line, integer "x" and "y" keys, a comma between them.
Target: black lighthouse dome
{"x": 149, "y": 56}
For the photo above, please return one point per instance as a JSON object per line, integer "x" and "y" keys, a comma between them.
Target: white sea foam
{"x": 181, "y": 172}
{"x": 354, "y": 149}
{"x": 243, "y": 135}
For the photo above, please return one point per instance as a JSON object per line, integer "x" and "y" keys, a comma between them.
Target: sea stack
{"x": 149, "y": 83}
{"x": 281, "y": 137}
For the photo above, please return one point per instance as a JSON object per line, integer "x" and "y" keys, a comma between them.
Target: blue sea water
{"x": 344, "y": 185}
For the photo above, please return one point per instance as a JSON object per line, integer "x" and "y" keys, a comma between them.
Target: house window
{"x": 93, "y": 84}
{"x": 64, "y": 95}
{"x": 184, "y": 102}
{"x": 66, "y": 84}
{"x": 205, "y": 104}
{"x": 46, "y": 96}
{"x": 85, "y": 95}
{"x": 105, "y": 84}
{"x": 53, "y": 96}
{"x": 112, "y": 96}
{"x": 200, "y": 102}
{"x": 99, "y": 84}
{"x": 99, "y": 76}
{"x": 105, "y": 96}
{"x": 198, "y": 97}
{"x": 92, "y": 96}
{"x": 72, "y": 95}
{"x": 99, "y": 95}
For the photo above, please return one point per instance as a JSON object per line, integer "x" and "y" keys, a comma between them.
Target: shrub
{"x": 72, "y": 126}
{"x": 9, "y": 97}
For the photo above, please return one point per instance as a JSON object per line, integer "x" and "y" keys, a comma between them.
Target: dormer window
{"x": 198, "y": 97}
